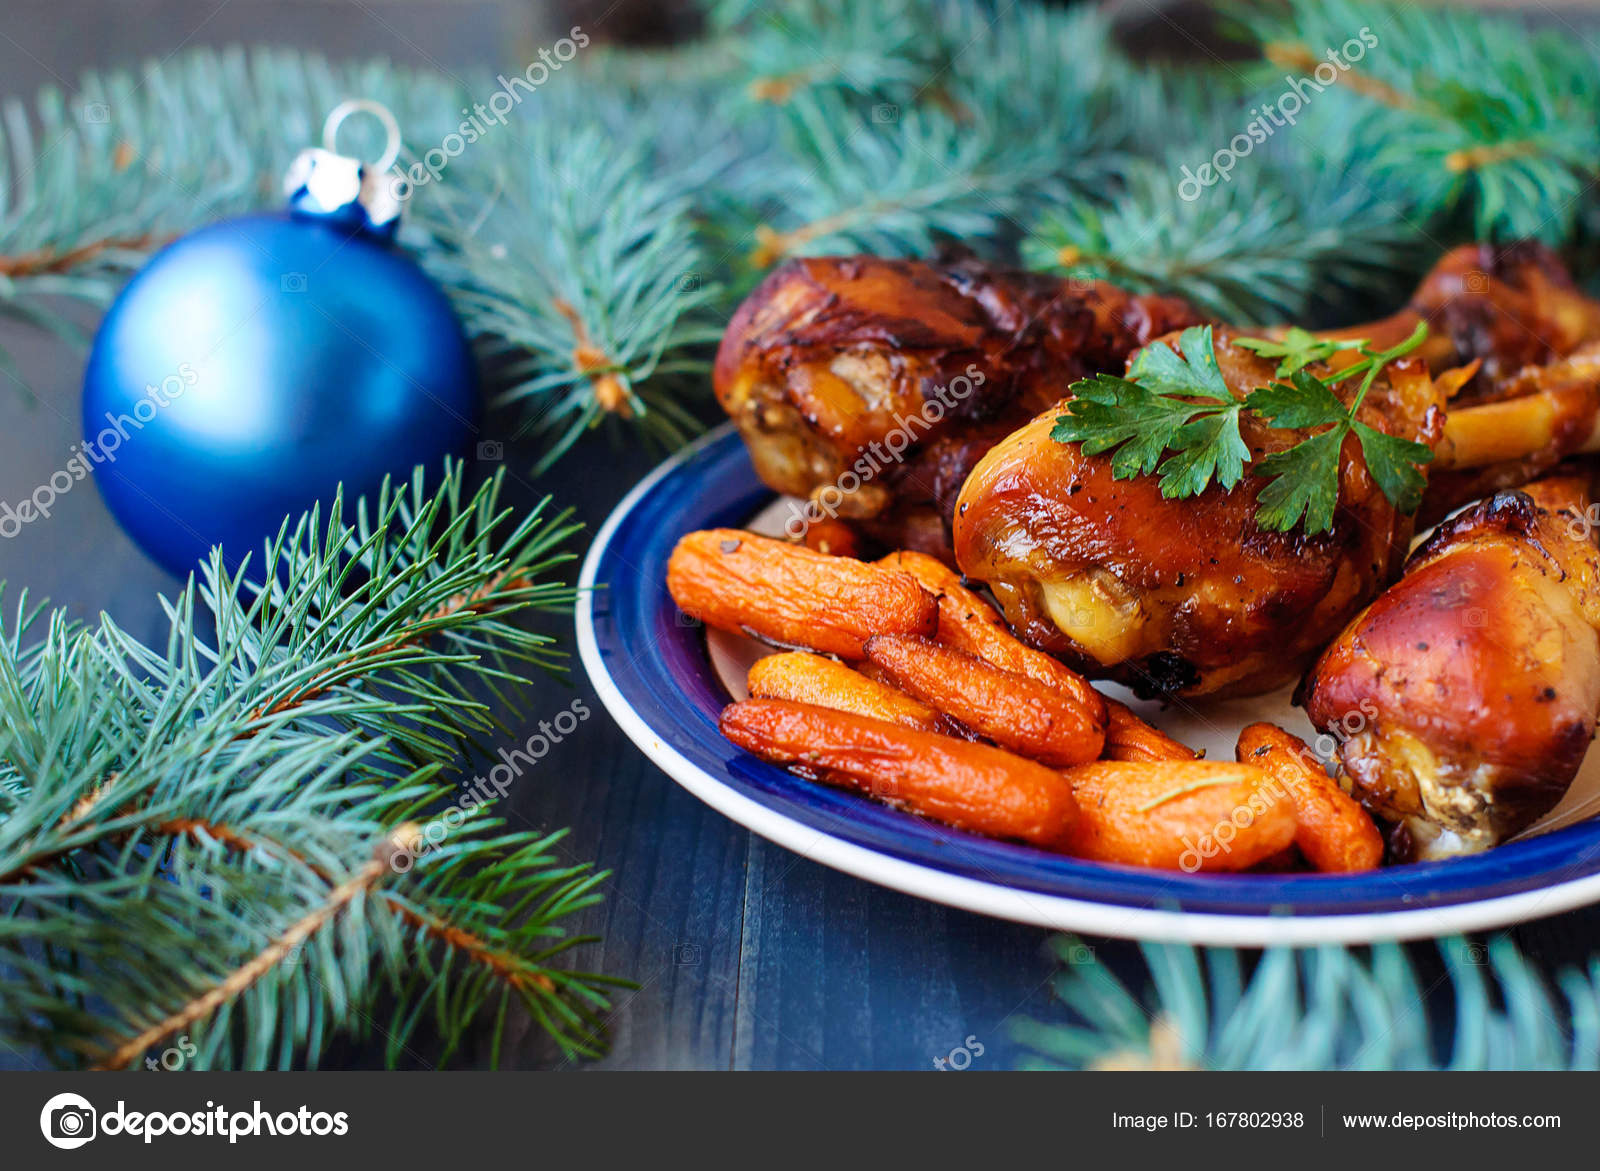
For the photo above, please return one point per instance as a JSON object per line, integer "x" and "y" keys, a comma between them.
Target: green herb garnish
{"x": 1298, "y": 349}
{"x": 1139, "y": 416}
{"x": 1181, "y": 405}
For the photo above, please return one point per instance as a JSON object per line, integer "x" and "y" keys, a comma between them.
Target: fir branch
{"x": 1473, "y": 114}
{"x": 587, "y": 272}
{"x": 1322, "y": 1008}
{"x": 1274, "y": 244}
{"x": 203, "y": 838}
{"x": 242, "y": 978}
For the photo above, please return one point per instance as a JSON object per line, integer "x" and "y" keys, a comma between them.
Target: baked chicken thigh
{"x": 1184, "y": 596}
{"x": 1465, "y": 697}
{"x": 879, "y": 382}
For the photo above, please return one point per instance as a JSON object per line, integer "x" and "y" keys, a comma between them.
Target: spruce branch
{"x": 883, "y": 49}
{"x": 1314, "y": 1008}
{"x": 586, "y": 272}
{"x": 1276, "y": 244}
{"x": 864, "y": 167}
{"x": 1477, "y": 115}
{"x": 123, "y": 1053}
{"x": 886, "y": 180}
{"x": 228, "y": 838}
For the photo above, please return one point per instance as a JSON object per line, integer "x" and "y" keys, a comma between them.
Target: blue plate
{"x": 652, "y": 671}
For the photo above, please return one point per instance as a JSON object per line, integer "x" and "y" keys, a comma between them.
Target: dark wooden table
{"x": 746, "y": 956}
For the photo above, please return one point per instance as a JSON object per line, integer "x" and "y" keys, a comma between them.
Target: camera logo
{"x": 68, "y": 1121}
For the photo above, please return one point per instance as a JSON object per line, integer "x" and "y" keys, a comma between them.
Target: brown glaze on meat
{"x": 1465, "y": 697}
{"x": 1183, "y": 597}
{"x": 1507, "y": 306}
{"x": 1515, "y": 310}
{"x": 828, "y": 365}
{"x": 1540, "y": 416}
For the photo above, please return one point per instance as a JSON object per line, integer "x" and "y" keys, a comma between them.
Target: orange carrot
{"x": 1334, "y": 832}
{"x": 1178, "y": 815}
{"x": 791, "y": 596}
{"x": 1014, "y": 711}
{"x": 969, "y": 786}
{"x": 1130, "y": 738}
{"x": 813, "y": 679}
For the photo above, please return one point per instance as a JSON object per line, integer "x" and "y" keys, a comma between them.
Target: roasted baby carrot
{"x": 1334, "y": 832}
{"x": 791, "y": 596}
{"x": 1130, "y": 738}
{"x": 814, "y": 679}
{"x": 1013, "y": 710}
{"x": 1192, "y": 815}
{"x": 938, "y": 578}
{"x": 968, "y": 786}
{"x": 968, "y": 623}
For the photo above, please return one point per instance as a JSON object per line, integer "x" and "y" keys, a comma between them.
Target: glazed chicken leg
{"x": 1184, "y": 596}
{"x": 888, "y": 379}
{"x": 1535, "y": 399}
{"x": 1511, "y": 308}
{"x": 1465, "y": 697}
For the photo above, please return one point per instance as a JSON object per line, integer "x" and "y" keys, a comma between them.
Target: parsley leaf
{"x": 1175, "y": 416}
{"x": 1209, "y": 446}
{"x": 1306, "y": 403}
{"x": 1196, "y": 372}
{"x": 1393, "y": 463}
{"x": 1298, "y": 349}
{"x": 1138, "y": 417}
{"x": 1304, "y": 479}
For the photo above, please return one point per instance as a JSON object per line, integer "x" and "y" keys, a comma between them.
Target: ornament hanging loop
{"x": 385, "y": 116}
{"x": 324, "y": 184}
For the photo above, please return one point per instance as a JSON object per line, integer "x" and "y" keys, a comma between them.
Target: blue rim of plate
{"x": 651, "y": 670}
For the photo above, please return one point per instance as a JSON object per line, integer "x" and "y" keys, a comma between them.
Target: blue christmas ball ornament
{"x": 253, "y": 366}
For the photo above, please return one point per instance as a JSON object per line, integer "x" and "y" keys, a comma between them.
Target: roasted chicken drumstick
{"x": 888, "y": 379}
{"x": 1184, "y": 596}
{"x": 1515, "y": 311}
{"x": 1465, "y": 697}
{"x": 1509, "y": 307}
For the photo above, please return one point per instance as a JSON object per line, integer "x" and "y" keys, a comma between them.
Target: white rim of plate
{"x": 1246, "y": 929}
